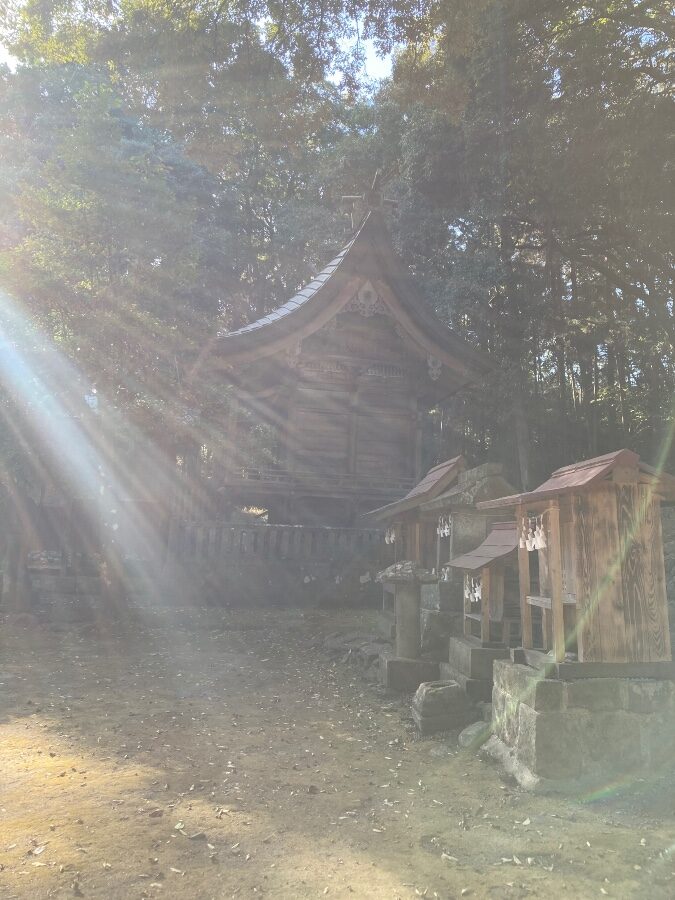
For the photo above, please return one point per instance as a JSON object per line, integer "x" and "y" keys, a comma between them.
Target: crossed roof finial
{"x": 373, "y": 198}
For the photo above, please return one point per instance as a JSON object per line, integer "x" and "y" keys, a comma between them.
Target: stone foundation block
{"x": 613, "y": 740}
{"x": 386, "y": 624}
{"x": 551, "y": 744}
{"x": 437, "y": 627}
{"x": 443, "y": 596}
{"x": 658, "y": 739}
{"x": 597, "y": 693}
{"x": 466, "y": 655}
{"x": 476, "y": 689}
{"x": 549, "y": 694}
{"x": 562, "y": 735}
{"x": 524, "y": 684}
{"x": 510, "y": 724}
{"x": 441, "y": 697}
{"x": 406, "y": 675}
{"x": 650, "y": 697}
{"x": 441, "y": 706}
{"x": 427, "y": 725}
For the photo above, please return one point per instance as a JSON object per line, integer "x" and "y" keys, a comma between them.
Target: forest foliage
{"x": 169, "y": 169}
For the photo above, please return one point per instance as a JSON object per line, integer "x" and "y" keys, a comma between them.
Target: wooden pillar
{"x": 438, "y": 553}
{"x": 466, "y": 599}
{"x": 408, "y": 635}
{"x": 485, "y": 603}
{"x": 418, "y": 443}
{"x": 524, "y": 584}
{"x": 555, "y": 570}
{"x": 353, "y": 431}
{"x": 417, "y": 531}
{"x": 282, "y": 403}
{"x": 232, "y": 438}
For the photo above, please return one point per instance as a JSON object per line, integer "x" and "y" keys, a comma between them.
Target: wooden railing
{"x": 307, "y": 479}
{"x": 211, "y": 541}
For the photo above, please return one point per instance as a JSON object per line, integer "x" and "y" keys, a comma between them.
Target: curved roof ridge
{"x": 305, "y": 293}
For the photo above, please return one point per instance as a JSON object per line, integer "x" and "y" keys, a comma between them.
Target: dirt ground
{"x": 223, "y": 754}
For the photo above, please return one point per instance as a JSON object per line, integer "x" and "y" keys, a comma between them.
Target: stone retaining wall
{"x": 556, "y": 734}
{"x": 668, "y": 520}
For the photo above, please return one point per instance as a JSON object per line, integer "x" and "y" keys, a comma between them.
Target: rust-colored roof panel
{"x": 570, "y": 478}
{"x": 436, "y": 479}
{"x": 433, "y": 476}
{"x": 502, "y": 540}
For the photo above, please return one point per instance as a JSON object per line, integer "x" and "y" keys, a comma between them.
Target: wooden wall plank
{"x": 497, "y": 593}
{"x": 589, "y": 630}
{"x": 632, "y": 572}
{"x": 555, "y": 568}
{"x": 610, "y": 601}
{"x": 657, "y": 639}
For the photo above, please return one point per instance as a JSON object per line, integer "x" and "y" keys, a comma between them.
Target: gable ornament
{"x": 435, "y": 367}
{"x": 367, "y": 302}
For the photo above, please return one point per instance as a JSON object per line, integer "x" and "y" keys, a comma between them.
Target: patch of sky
{"x": 376, "y": 66}
{"x": 6, "y": 58}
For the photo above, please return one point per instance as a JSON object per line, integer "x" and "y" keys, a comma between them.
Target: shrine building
{"x": 339, "y": 380}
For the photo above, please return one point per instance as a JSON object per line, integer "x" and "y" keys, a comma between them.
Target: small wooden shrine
{"x": 412, "y": 533}
{"x": 491, "y": 599}
{"x": 590, "y": 560}
{"x": 458, "y": 524}
{"x": 590, "y": 696}
{"x": 340, "y": 378}
{"x": 437, "y": 518}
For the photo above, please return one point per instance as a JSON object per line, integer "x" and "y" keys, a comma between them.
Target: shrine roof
{"x": 369, "y": 251}
{"x": 436, "y": 480}
{"x": 502, "y": 540}
{"x": 299, "y": 299}
{"x": 485, "y": 481}
{"x": 581, "y": 475}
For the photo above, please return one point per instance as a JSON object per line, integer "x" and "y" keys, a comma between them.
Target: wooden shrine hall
{"x": 340, "y": 378}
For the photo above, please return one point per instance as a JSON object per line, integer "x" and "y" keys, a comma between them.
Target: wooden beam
{"x": 417, "y": 440}
{"x": 555, "y": 569}
{"x": 428, "y": 344}
{"x": 231, "y": 437}
{"x": 524, "y": 584}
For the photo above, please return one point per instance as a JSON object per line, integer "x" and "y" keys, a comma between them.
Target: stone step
{"x": 472, "y": 659}
{"x": 406, "y": 675}
{"x": 476, "y": 689}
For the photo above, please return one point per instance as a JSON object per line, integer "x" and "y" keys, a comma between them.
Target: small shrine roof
{"x": 436, "y": 480}
{"x": 580, "y": 475}
{"x": 502, "y": 540}
{"x": 484, "y": 481}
